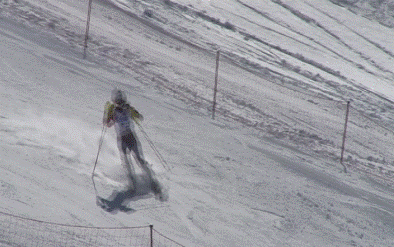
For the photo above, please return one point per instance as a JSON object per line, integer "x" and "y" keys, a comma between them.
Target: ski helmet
{"x": 118, "y": 96}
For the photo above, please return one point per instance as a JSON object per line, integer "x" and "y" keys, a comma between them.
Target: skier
{"x": 119, "y": 113}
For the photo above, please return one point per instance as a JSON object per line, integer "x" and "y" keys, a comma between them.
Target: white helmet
{"x": 118, "y": 96}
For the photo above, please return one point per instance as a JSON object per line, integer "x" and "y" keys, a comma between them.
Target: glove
{"x": 108, "y": 114}
{"x": 136, "y": 115}
{"x": 138, "y": 119}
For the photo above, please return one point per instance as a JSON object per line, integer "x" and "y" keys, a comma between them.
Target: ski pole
{"x": 98, "y": 152}
{"x": 162, "y": 160}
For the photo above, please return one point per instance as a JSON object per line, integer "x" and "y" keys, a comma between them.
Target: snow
{"x": 264, "y": 172}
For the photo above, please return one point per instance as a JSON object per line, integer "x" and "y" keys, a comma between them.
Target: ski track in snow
{"x": 264, "y": 173}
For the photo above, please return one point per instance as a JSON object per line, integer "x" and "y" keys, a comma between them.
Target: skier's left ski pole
{"x": 98, "y": 152}
{"x": 162, "y": 160}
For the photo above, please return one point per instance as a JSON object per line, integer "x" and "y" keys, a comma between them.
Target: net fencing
{"x": 20, "y": 231}
{"x": 311, "y": 118}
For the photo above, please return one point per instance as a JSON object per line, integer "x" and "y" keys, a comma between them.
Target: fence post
{"x": 344, "y": 134}
{"x": 151, "y": 235}
{"x": 216, "y": 84}
{"x": 87, "y": 29}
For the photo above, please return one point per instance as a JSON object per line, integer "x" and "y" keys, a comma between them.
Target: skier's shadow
{"x": 119, "y": 200}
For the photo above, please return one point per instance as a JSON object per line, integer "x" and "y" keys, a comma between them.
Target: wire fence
{"x": 314, "y": 120}
{"x": 21, "y": 231}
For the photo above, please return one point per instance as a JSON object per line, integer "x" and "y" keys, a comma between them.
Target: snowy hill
{"x": 264, "y": 172}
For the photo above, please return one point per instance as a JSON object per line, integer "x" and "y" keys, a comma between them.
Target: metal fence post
{"x": 87, "y": 28}
{"x": 216, "y": 84}
{"x": 344, "y": 133}
{"x": 151, "y": 235}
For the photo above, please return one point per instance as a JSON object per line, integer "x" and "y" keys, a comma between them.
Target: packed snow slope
{"x": 264, "y": 172}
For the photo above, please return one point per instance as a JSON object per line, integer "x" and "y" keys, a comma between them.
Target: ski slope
{"x": 264, "y": 172}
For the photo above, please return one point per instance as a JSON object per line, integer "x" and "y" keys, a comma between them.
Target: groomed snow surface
{"x": 265, "y": 172}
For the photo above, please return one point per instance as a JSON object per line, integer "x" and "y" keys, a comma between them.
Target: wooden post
{"x": 151, "y": 235}
{"x": 216, "y": 84}
{"x": 87, "y": 29}
{"x": 344, "y": 133}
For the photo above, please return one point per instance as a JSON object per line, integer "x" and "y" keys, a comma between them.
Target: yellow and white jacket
{"x": 120, "y": 116}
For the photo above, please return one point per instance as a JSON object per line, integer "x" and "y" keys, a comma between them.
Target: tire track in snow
{"x": 296, "y": 32}
{"x": 371, "y": 62}
{"x": 147, "y": 23}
